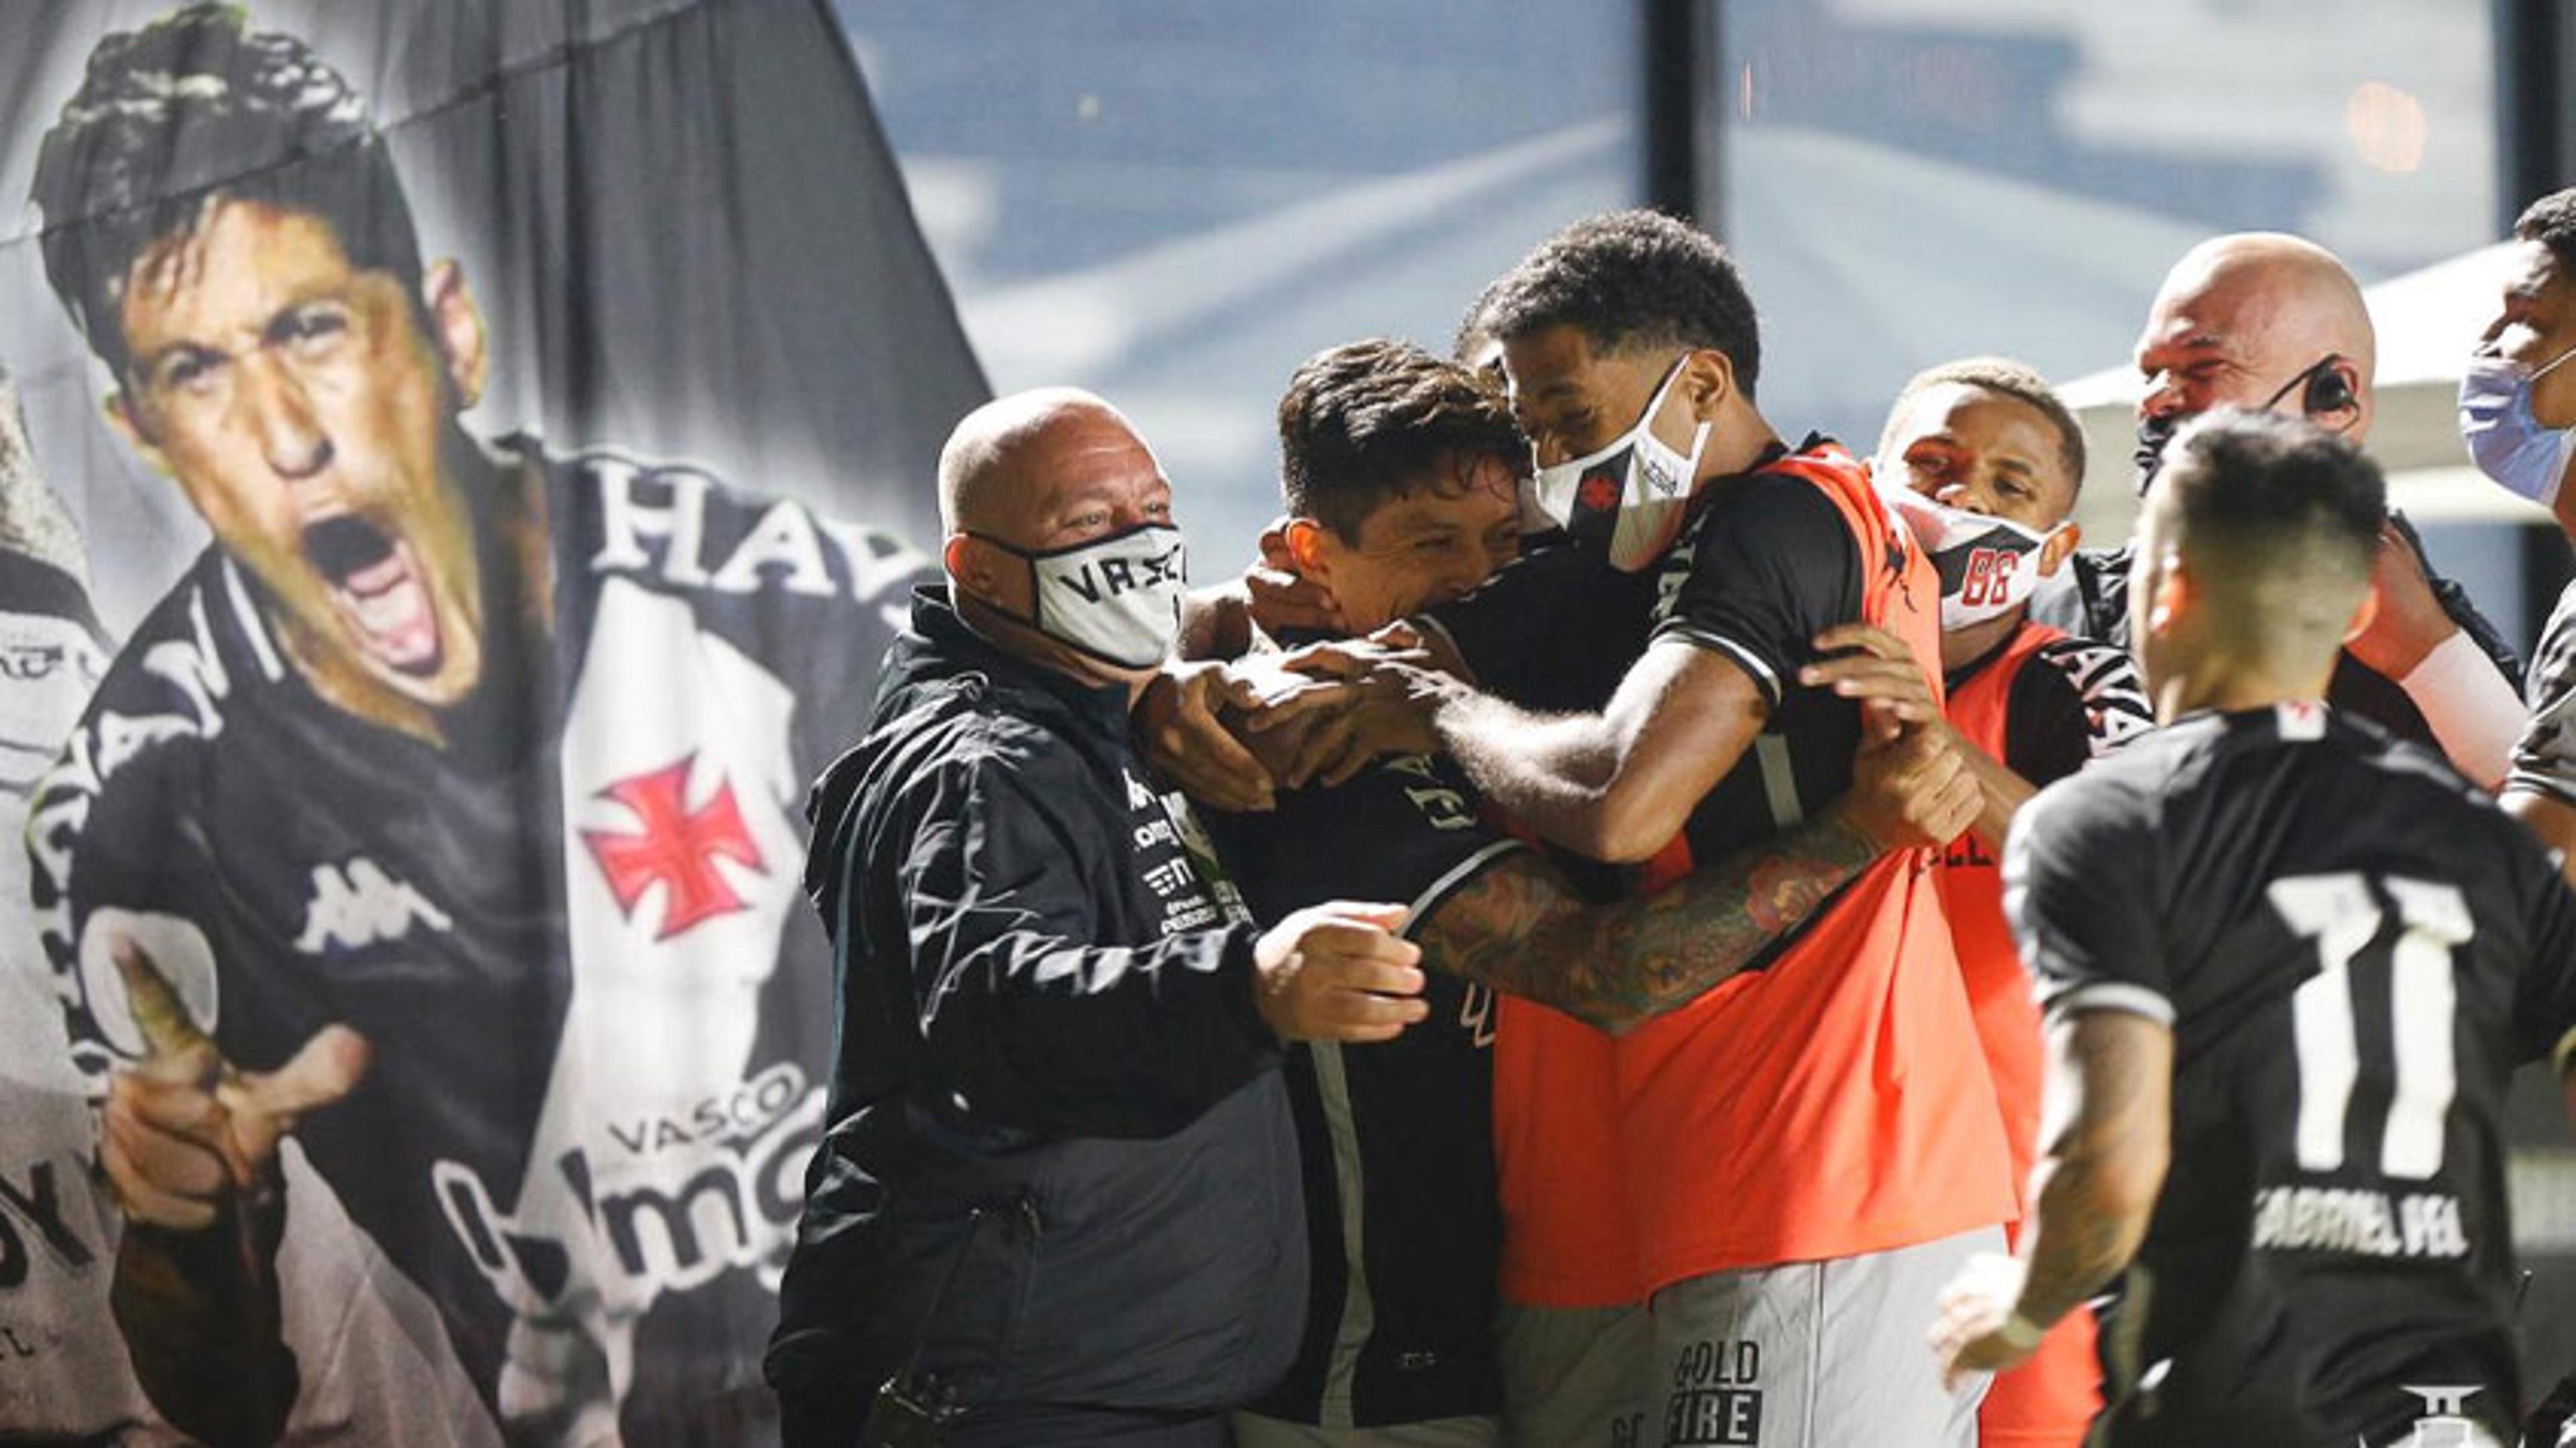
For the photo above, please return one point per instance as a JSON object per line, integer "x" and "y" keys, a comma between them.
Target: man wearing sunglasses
{"x": 2274, "y": 323}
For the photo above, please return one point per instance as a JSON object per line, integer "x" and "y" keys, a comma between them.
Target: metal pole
{"x": 1676, "y": 72}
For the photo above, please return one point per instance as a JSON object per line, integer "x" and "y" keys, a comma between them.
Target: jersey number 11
{"x": 2341, "y": 914}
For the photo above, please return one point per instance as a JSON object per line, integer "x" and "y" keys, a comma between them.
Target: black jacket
{"x": 1050, "y": 1074}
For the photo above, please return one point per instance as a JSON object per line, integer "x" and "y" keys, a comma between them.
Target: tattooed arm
{"x": 1520, "y": 927}
{"x": 2110, "y": 1110}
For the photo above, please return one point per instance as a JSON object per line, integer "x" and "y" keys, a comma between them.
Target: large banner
{"x": 460, "y": 463}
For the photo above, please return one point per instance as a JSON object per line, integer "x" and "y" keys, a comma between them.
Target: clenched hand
{"x": 1337, "y": 972}
{"x": 184, "y": 1128}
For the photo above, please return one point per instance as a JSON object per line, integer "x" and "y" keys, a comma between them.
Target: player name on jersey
{"x": 2360, "y": 1221}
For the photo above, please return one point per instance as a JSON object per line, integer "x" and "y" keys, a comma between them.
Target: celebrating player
{"x": 1809, "y": 1143}
{"x": 1401, "y": 476}
{"x": 2288, "y": 965}
{"x": 1983, "y": 461}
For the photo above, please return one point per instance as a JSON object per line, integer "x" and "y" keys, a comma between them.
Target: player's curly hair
{"x": 2005, "y": 377}
{"x": 1376, "y": 419}
{"x": 190, "y": 111}
{"x": 1630, "y": 279}
{"x": 1472, "y": 345}
{"x": 2551, "y": 221}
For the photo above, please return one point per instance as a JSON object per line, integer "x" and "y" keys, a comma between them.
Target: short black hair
{"x": 1631, "y": 279}
{"x": 2281, "y": 490}
{"x": 2006, "y": 377}
{"x": 1374, "y": 420}
{"x": 190, "y": 111}
{"x": 2551, "y": 221}
{"x": 1475, "y": 334}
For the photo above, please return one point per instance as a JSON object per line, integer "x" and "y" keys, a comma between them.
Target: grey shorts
{"x": 1576, "y": 1377}
{"x": 1814, "y": 1354}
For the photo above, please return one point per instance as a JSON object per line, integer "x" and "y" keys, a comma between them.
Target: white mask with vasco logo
{"x": 1628, "y": 499}
{"x": 1116, "y": 599}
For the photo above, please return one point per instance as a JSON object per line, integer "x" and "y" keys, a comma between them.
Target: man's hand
{"x": 1974, "y": 1333}
{"x": 1913, "y": 790}
{"x": 1895, "y": 696}
{"x": 2410, "y": 622}
{"x": 1364, "y": 700}
{"x": 1335, "y": 973}
{"x": 1880, "y": 672}
{"x": 1280, "y": 597}
{"x": 184, "y": 1129}
{"x": 1176, "y": 724}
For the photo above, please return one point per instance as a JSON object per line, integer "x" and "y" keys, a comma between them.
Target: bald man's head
{"x": 1041, "y": 473}
{"x": 1012, "y": 447}
{"x": 2245, "y": 320}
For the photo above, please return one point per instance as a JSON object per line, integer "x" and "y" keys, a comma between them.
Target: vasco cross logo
{"x": 675, "y": 847}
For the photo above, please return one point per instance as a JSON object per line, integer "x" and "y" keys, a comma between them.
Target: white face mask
{"x": 1117, "y": 599}
{"x": 2506, "y": 442}
{"x": 1629, "y": 497}
{"x": 1989, "y": 566}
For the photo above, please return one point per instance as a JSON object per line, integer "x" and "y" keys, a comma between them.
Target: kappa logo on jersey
{"x": 356, "y": 904}
{"x": 675, "y": 847}
{"x": 1111, "y": 577}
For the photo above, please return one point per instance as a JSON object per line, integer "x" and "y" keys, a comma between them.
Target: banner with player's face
{"x": 460, "y": 462}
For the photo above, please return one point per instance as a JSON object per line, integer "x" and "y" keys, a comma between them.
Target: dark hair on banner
{"x": 1631, "y": 279}
{"x": 190, "y": 111}
{"x": 1372, "y": 420}
{"x": 2007, "y": 378}
{"x": 2257, "y": 484}
{"x": 2551, "y": 221}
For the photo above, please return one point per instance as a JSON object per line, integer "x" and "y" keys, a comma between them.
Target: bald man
{"x": 1058, "y": 1200}
{"x": 2268, "y": 322}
